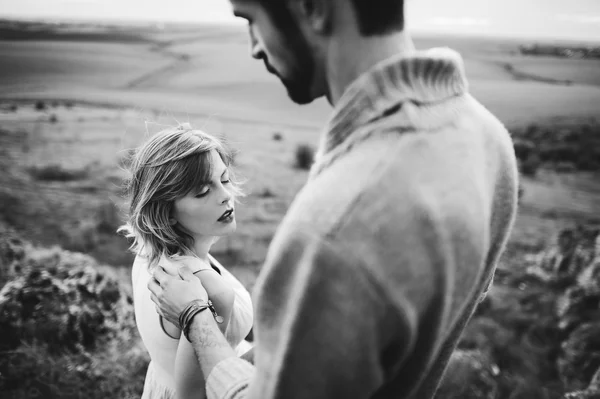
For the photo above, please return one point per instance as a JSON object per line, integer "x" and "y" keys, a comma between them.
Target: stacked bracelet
{"x": 191, "y": 310}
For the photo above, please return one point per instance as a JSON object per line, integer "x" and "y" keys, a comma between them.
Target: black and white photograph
{"x": 300, "y": 199}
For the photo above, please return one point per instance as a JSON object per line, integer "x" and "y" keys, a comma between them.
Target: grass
{"x": 77, "y": 207}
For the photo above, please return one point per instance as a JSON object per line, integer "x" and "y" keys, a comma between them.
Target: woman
{"x": 182, "y": 199}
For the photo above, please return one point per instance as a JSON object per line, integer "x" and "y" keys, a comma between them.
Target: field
{"x": 74, "y": 102}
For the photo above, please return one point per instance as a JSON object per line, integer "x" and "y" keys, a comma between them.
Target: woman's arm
{"x": 189, "y": 381}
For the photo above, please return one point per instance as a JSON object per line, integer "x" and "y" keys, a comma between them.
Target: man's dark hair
{"x": 378, "y": 17}
{"x": 375, "y": 17}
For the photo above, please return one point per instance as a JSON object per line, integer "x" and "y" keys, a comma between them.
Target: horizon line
{"x": 234, "y": 23}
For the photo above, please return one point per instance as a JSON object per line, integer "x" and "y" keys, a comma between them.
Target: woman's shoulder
{"x": 192, "y": 262}
{"x": 140, "y": 267}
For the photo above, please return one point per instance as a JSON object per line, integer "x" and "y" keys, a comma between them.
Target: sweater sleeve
{"x": 323, "y": 328}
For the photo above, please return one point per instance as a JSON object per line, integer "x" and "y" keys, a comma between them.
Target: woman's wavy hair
{"x": 170, "y": 165}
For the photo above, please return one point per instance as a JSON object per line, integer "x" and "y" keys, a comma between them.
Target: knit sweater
{"x": 389, "y": 247}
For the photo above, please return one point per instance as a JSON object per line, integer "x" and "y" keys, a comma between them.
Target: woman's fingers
{"x": 159, "y": 275}
{"x": 154, "y": 287}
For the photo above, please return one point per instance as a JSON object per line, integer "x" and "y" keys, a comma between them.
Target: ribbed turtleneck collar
{"x": 420, "y": 77}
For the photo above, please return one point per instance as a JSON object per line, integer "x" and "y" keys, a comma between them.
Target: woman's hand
{"x": 171, "y": 294}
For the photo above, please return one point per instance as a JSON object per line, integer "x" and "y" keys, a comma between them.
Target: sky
{"x": 557, "y": 19}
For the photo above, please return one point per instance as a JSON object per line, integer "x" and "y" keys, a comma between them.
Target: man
{"x": 385, "y": 253}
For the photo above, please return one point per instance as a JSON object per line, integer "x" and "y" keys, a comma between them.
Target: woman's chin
{"x": 229, "y": 228}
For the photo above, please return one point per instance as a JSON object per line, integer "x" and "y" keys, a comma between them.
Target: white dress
{"x": 160, "y": 382}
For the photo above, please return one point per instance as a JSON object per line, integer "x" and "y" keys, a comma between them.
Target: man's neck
{"x": 352, "y": 57}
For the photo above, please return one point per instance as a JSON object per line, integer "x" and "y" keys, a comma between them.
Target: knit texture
{"x": 387, "y": 250}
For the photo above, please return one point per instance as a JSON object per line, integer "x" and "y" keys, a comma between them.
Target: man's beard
{"x": 301, "y": 70}
{"x": 299, "y": 81}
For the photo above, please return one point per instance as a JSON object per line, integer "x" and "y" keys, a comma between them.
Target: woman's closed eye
{"x": 206, "y": 189}
{"x": 203, "y": 192}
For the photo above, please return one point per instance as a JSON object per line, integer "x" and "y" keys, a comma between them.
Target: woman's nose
{"x": 226, "y": 196}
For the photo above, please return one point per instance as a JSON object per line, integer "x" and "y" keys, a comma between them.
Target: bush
{"x": 576, "y": 144}
{"x": 14, "y": 108}
{"x": 63, "y": 301}
{"x": 305, "y": 155}
{"x": 531, "y": 164}
{"x": 277, "y": 136}
{"x": 67, "y": 328}
{"x": 116, "y": 370}
{"x": 57, "y": 173}
{"x": 469, "y": 376}
{"x": 559, "y": 153}
{"x": 12, "y": 252}
{"x": 40, "y": 105}
{"x": 523, "y": 148}
{"x": 588, "y": 161}
{"x": 580, "y": 356}
{"x": 541, "y": 337}
{"x": 53, "y": 118}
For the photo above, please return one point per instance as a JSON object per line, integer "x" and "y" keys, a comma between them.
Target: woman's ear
{"x": 172, "y": 221}
{"x": 314, "y": 13}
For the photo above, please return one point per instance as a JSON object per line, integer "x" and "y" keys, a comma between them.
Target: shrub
{"x": 588, "y": 161}
{"x": 53, "y": 118}
{"x": 60, "y": 299}
{"x": 531, "y": 164}
{"x": 541, "y": 337}
{"x": 523, "y": 148}
{"x": 13, "y": 108}
{"x": 12, "y": 252}
{"x": 116, "y": 370}
{"x": 40, "y": 105}
{"x": 469, "y": 376}
{"x": 67, "y": 327}
{"x": 305, "y": 155}
{"x": 559, "y": 153}
{"x": 56, "y": 172}
{"x": 277, "y": 136}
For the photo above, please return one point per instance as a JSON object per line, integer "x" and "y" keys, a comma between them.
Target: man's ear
{"x": 315, "y": 13}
